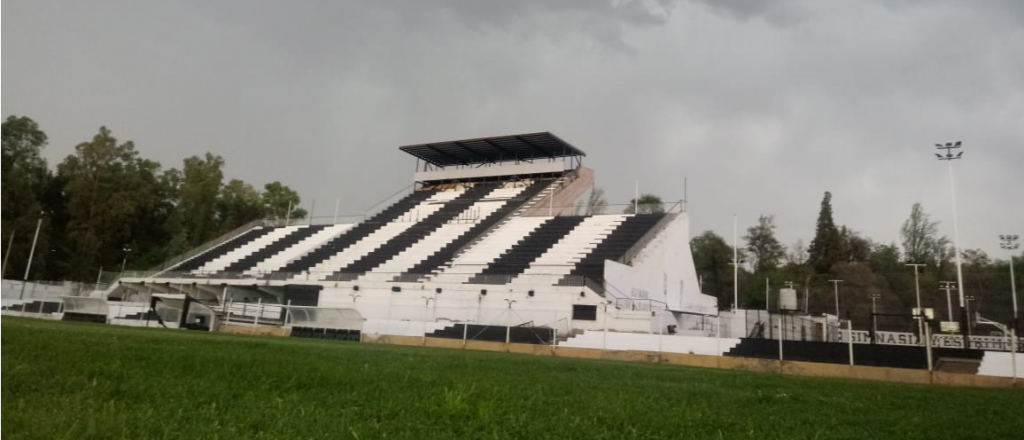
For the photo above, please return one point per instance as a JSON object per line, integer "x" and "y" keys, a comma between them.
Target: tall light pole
{"x": 7, "y": 255}
{"x": 31, "y": 254}
{"x": 968, "y": 300}
{"x": 947, "y": 286}
{"x": 835, "y": 283}
{"x": 735, "y": 267}
{"x": 126, "y": 250}
{"x": 949, "y": 157}
{"x": 1009, "y": 242}
{"x": 874, "y": 320}
{"x": 917, "y": 291}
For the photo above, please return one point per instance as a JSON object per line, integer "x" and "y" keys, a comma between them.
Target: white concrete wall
{"x": 663, "y": 271}
{"x": 418, "y": 302}
{"x": 652, "y": 342}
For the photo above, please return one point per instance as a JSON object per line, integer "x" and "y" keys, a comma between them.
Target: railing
{"x": 188, "y": 277}
{"x": 208, "y": 245}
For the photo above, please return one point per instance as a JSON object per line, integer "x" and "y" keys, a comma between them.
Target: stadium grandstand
{"x": 490, "y": 243}
{"x": 488, "y": 237}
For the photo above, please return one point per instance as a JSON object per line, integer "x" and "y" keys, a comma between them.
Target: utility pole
{"x": 835, "y": 284}
{"x": 874, "y": 321}
{"x": 1009, "y": 242}
{"x": 947, "y": 286}
{"x": 735, "y": 267}
{"x": 7, "y": 254}
{"x": 31, "y": 254}
{"x": 917, "y": 291}
{"x": 949, "y": 157}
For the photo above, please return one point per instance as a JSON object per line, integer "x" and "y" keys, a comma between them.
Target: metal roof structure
{"x": 517, "y": 147}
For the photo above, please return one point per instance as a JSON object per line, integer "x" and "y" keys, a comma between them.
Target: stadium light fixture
{"x": 949, "y": 157}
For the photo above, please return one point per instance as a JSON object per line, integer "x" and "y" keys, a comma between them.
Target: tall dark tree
{"x": 195, "y": 216}
{"x": 921, "y": 240}
{"x": 278, "y": 198}
{"x": 113, "y": 196}
{"x": 24, "y": 182}
{"x": 712, "y": 257}
{"x": 855, "y": 247}
{"x": 764, "y": 248}
{"x": 238, "y": 204}
{"x": 827, "y": 247}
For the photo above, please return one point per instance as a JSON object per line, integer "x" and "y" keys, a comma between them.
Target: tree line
{"x": 105, "y": 205}
{"x": 865, "y": 267}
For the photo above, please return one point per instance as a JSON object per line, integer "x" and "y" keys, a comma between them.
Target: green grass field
{"x": 71, "y": 380}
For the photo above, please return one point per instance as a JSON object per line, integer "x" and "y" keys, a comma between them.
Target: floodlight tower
{"x": 949, "y": 157}
{"x": 1009, "y": 242}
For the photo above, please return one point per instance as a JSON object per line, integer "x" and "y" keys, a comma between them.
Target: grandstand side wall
{"x": 663, "y": 271}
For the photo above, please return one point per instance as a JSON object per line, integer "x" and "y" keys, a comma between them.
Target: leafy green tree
{"x": 277, "y": 198}
{"x": 921, "y": 240}
{"x": 855, "y": 247}
{"x": 24, "y": 182}
{"x": 647, "y": 204}
{"x": 827, "y": 247}
{"x": 239, "y": 203}
{"x": 764, "y": 248}
{"x": 114, "y": 199}
{"x": 195, "y": 216}
{"x": 712, "y": 257}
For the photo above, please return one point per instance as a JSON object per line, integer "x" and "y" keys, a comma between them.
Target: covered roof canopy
{"x": 517, "y": 147}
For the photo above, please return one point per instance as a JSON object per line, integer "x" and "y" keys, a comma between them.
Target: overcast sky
{"x": 762, "y": 105}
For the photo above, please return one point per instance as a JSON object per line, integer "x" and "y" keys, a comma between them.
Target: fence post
{"x": 780, "y": 338}
{"x": 256, "y": 318}
{"x": 928, "y": 345}
{"x": 849, "y": 339}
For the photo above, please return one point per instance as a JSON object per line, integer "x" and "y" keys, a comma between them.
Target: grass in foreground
{"x": 71, "y": 380}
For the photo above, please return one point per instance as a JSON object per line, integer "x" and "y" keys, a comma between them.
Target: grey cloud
{"x": 763, "y": 105}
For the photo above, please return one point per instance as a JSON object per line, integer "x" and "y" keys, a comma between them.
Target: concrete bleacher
{"x": 401, "y": 209}
{"x": 448, "y": 232}
{"x": 361, "y": 246}
{"x": 295, "y": 235}
{"x": 215, "y": 252}
{"x": 479, "y": 256}
{"x": 518, "y": 257}
{"x": 447, "y": 206}
{"x": 563, "y": 255}
{"x": 222, "y": 262}
{"x": 277, "y": 261}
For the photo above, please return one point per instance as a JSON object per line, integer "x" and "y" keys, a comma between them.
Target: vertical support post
{"x": 735, "y": 267}
{"x": 337, "y": 204}
{"x": 928, "y": 345}
{"x": 849, "y": 338}
{"x": 465, "y": 334}
{"x": 256, "y": 318}
{"x": 31, "y": 253}
{"x": 636, "y": 197}
{"x": 718, "y": 335}
{"x": 287, "y": 313}
{"x": 99, "y": 276}
{"x": 6, "y": 255}
{"x": 781, "y": 337}
{"x": 1013, "y": 353}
